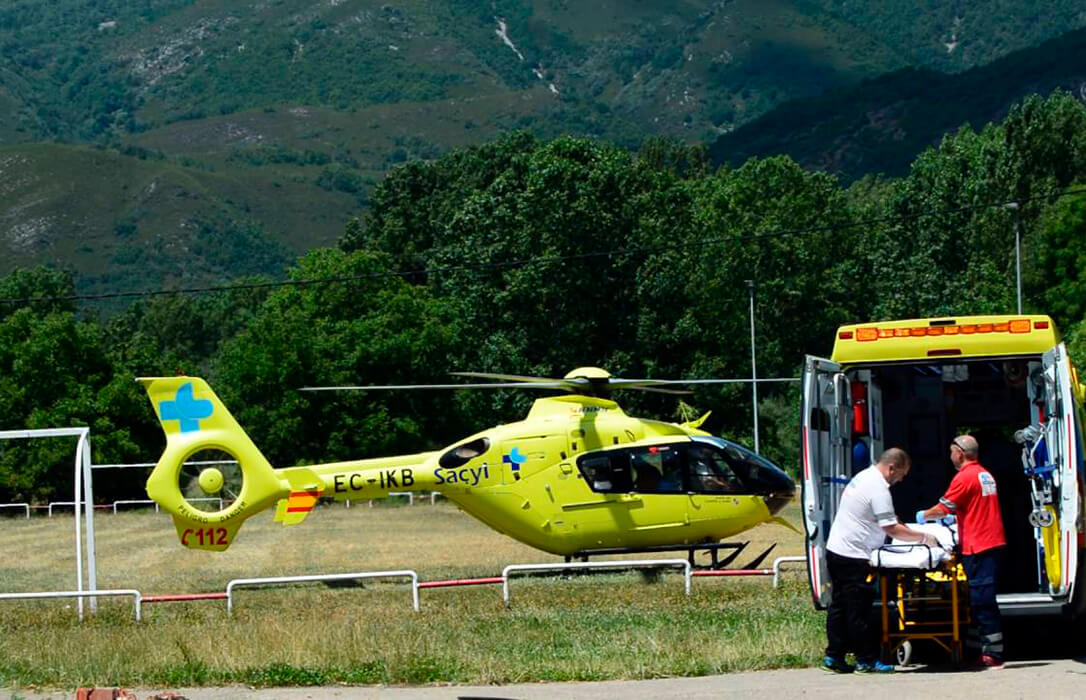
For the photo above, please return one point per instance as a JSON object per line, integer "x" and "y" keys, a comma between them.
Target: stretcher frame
{"x": 928, "y": 604}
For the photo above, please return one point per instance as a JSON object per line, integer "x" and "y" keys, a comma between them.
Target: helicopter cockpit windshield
{"x": 757, "y": 473}
{"x": 707, "y": 465}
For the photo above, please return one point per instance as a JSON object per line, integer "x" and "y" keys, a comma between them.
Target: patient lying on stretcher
{"x": 910, "y": 555}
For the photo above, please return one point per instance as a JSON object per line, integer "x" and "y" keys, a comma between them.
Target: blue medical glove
{"x": 947, "y": 520}
{"x": 920, "y": 516}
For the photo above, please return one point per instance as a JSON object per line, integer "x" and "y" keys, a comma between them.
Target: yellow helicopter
{"x": 576, "y": 477}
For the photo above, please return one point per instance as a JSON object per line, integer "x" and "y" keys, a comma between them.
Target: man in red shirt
{"x": 972, "y": 497}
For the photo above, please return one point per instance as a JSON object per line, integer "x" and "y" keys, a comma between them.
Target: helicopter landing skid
{"x": 713, "y": 548}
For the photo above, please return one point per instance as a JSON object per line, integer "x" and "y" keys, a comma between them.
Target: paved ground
{"x": 1050, "y": 679}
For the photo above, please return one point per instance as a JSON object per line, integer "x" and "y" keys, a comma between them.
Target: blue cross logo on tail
{"x": 515, "y": 459}
{"x": 185, "y": 409}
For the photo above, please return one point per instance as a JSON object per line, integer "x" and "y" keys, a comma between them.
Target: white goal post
{"x": 82, "y": 499}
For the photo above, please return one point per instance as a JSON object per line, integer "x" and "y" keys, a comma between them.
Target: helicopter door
{"x": 1063, "y": 438}
{"x": 826, "y": 425}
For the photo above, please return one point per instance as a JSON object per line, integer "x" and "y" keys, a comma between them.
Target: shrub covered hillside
{"x": 182, "y": 142}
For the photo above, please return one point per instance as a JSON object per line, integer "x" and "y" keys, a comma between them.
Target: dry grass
{"x": 609, "y": 626}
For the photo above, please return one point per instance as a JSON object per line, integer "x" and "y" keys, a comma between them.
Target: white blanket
{"x": 911, "y": 555}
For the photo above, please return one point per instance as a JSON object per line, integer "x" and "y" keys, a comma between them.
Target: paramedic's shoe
{"x": 834, "y": 665}
{"x": 873, "y": 667}
{"x": 987, "y": 662}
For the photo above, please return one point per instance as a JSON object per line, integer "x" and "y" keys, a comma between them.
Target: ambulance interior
{"x": 922, "y": 407}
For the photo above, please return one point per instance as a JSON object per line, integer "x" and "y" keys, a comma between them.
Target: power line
{"x": 808, "y": 231}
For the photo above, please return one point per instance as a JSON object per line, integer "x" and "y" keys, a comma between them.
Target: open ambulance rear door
{"x": 1063, "y": 439}
{"x": 824, "y": 445}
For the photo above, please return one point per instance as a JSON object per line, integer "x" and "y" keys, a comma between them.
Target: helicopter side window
{"x": 657, "y": 470}
{"x": 710, "y": 473}
{"x": 608, "y": 472}
{"x": 462, "y": 454}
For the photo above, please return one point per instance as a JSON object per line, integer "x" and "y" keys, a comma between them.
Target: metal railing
{"x": 619, "y": 564}
{"x": 68, "y": 504}
{"x": 25, "y": 506}
{"x": 280, "y": 580}
{"x": 144, "y": 502}
{"x": 504, "y": 579}
{"x": 432, "y": 495}
{"x": 49, "y": 507}
{"x": 80, "y": 594}
{"x": 778, "y": 562}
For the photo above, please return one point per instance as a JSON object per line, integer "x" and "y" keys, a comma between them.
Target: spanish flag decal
{"x": 298, "y": 504}
{"x": 302, "y": 501}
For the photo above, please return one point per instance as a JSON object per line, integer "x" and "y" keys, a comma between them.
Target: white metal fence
{"x": 25, "y": 506}
{"x": 618, "y": 564}
{"x": 505, "y": 579}
{"x": 38, "y": 595}
{"x": 358, "y": 575}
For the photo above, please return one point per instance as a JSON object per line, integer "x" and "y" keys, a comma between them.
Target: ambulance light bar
{"x": 1022, "y": 325}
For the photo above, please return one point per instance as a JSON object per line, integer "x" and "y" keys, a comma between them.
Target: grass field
{"x": 578, "y": 628}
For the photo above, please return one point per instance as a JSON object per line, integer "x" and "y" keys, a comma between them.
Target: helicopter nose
{"x": 776, "y": 488}
{"x": 776, "y": 502}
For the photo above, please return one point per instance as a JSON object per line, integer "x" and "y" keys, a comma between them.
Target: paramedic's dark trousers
{"x": 848, "y": 625}
{"x": 986, "y": 632}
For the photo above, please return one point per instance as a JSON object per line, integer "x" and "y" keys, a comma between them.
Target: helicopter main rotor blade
{"x": 572, "y": 384}
{"x": 638, "y": 383}
{"x": 546, "y": 384}
{"x": 507, "y": 377}
{"x": 657, "y": 390}
{"x": 576, "y": 385}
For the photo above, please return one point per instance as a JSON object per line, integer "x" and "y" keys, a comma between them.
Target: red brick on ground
{"x": 104, "y": 694}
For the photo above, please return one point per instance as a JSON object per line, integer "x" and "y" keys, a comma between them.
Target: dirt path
{"x": 1052, "y": 679}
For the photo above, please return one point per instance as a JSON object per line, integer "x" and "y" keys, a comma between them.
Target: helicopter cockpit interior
{"x": 704, "y": 466}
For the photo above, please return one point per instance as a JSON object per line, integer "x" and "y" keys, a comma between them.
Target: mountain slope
{"x": 880, "y": 125}
{"x": 143, "y": 222}
{"x": 954, "y": 36}
{"x": 90, "y": 69}
{"x": 274, "y": 117}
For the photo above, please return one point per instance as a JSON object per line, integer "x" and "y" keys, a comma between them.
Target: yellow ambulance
{"x": 917, "y": 384}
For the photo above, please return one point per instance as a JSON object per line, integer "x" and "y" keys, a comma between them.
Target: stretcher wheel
{"x": 904, "y": 653}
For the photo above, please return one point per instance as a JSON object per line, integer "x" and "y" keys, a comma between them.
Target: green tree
{"x": 416, "y": 201}
{"x": 52, "y": 368}
{"x": 952, "y": 249}
{"x": 181, "y": 334}
{"x": 536, "y": 244}
{"x": 768, "y": 222}
{"x": 370, "y": 327}
{"x": 540, "y": 259}
{"x": 39, "y": 288}
{"x": 1055, "y": 261}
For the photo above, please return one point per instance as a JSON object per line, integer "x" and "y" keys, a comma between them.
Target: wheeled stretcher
{"x": 924, "y": 595}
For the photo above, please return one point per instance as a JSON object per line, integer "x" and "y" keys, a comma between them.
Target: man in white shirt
{"x": 865, "y": 516}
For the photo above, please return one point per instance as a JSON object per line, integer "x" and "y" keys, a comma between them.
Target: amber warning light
{"x": 866, "y": 335}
